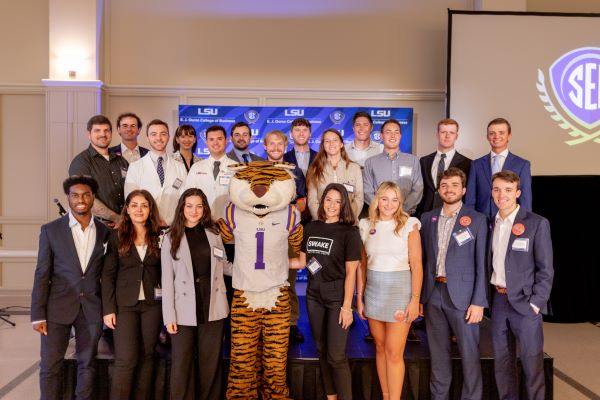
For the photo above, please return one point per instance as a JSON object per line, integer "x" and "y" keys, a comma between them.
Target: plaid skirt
{"x": 386, "y": 292}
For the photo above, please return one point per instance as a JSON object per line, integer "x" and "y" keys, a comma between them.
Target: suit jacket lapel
{"x": 518, "y": 219}
{"x": 435, "y": 219}
{"x": 98, "y": 244}
{"x": 508, "y": 163}
{"x": 428, "y": 166}
{"x": 186, "y": 256}
{"x": 487, "y": 168}
{"x": 456, "y": 159}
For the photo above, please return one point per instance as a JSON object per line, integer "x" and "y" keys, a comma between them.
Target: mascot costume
{"x": 263, "y": 224}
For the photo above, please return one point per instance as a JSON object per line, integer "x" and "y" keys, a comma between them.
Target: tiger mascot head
{"x": 261, "y": 187}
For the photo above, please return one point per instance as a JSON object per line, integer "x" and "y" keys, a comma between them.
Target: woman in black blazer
{"x": 131, "y": 295}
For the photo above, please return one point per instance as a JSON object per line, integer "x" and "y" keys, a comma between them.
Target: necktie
{"x": 441, "y": 168}
{"x": 246, "y": 157}
{"x": 216, "y": 169}
{"x": 160, "y": 170}
{"x": 495, "y": 164}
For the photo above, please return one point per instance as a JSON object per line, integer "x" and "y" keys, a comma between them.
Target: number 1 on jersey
{"x": 260, "y": 250}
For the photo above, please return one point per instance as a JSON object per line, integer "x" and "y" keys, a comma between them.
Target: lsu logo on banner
{"x": 251, "y": 116}
{"x": 575, "y": 81}
{"x": 295, "y": 112}
{"x": 208, "y": 111}
{"x": 337, "y": 116}
{"x": 381, "y": 113}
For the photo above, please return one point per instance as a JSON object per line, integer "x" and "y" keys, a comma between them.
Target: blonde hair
{"x": 400, "y": 216}
{"x": 277, "y": 133}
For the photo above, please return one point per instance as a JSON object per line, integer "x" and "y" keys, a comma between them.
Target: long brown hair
{"x": 178, "y": 226}
{"x": 126, "y": 232}
{"x": 400, "y": 216}
{"x": 346, "y": 215}
{"x": 315, "y": 172}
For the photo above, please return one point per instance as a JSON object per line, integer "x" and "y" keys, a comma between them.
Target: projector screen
{"x": 539, "y": 71}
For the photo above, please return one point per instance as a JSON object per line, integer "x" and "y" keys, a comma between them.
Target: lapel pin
{"x": 518, "y": 229}
{"x": 465, "y": 221}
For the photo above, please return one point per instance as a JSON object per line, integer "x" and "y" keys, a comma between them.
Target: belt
{"x": 501, "y": 290}
{"x": 441, "y": 279}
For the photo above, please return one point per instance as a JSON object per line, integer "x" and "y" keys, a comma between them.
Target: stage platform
{"x": 303, "y": 368}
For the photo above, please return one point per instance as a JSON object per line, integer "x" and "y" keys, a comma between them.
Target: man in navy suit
{"x": 454, "y": 240}
{"x": 434, "y": 164}
{"x": 66, "y": 290}
{"x": 521, "y": 274}
{"x": 128, "y": 127}
{"x": 301, "y": 155}
{"x": 479, "y": 185}
{"x": 241, "y": 137}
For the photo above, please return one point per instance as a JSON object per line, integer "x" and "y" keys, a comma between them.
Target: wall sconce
{"x": 71, "y": 60}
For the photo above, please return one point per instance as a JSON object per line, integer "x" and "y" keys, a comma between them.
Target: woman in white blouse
{"x": 332, "y": 165}
{"x": 392, "y": 270}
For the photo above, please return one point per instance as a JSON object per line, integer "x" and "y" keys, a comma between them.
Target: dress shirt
{"x": 436, "y": 162}
{"x": 216, "y": 190}
{"x": 129, "y": 154}
{"x": 240, "y": 154}
{"x": 445, "y": 227}
{"x": 501, "y": 161}
{"x": 303, "y": 158}
{"x": 154, "y": 158}
{"x": 360, "y": 155}
{"x": 500, "y": 246}
{"x": 404, "y": 169}
{"x": 84, "y": 240}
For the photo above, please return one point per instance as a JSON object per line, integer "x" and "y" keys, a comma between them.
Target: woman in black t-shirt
{"x": 331, "y": 252}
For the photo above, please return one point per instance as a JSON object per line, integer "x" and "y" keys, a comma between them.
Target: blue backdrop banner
{"x": 265, "y": 119}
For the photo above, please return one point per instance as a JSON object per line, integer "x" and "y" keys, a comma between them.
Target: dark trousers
{"x": 507, "y": 326}
{"x": 204, "y": 341}
{"x": 53, "y": 349}
{"x": 294, "y": 304}
{"x": 323, "y": 302}
{"x": 442, "y": 318}
{"x": 135, "y": 338}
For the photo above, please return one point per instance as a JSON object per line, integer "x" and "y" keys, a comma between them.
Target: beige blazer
{"x": 179, "y": 295}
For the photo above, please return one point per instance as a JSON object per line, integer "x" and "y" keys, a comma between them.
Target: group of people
{"x": 443, "y": 237}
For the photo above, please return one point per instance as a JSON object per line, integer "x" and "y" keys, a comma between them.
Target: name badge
{"x": 177, "y": 184}
{"x": 405, "y": 171}
{"x": 463, "y": 236}
{"x": 224, "y": 180}
{"x": 314, "y": 266}
{"x": 157, "y": 293}
{"x": 521, "y": 244}
{"x": 349, "y": 187}
{"x": 218, "y": 253}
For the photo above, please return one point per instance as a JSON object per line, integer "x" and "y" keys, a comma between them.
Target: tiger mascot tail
{"x": 263, "y": 224}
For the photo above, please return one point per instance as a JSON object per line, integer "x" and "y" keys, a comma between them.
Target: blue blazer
{"x": 290, "y": 157}
{"x": 465, "y": 265}
{"x": 529, "y": 274}
{"x": 60, "y": 287}
{"x": 479, "y": 184}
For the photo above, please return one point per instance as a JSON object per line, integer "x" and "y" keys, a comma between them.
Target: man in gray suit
{"x": 454, "y": 240}
{"x": 66, "y": 290}
{"x": 241, "y": 137}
